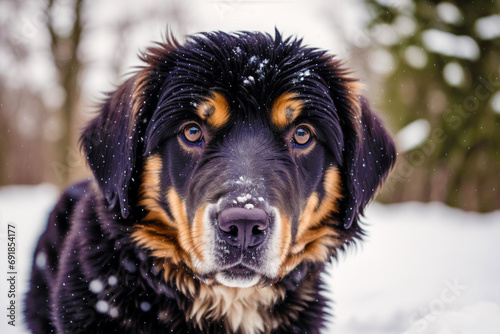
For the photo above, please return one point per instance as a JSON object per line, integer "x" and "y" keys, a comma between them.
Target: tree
{"x": 40, "y": 116}
{"x": 64, "y": 46}
{"x": 445, "y": 73}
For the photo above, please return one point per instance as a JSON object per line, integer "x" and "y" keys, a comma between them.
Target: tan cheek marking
{"x": 315, "y": 213}
{"x": 315, "y": 239}
{"x": 179, "y": 212}
{"x": 158, "y": 240}
{"x": 158, "y": 232}
{"x": 150, "y": 191}
{"x": 214, "y": 110}
{"x": 168, "y": 237}
{"x": 285, "y": 110}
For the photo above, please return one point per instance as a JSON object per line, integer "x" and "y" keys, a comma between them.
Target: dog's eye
{"x": 192, "y": 132}
{"x": 302, "y": 135}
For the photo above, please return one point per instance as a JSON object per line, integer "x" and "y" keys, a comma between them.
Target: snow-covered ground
{"x": 424, "y": 268}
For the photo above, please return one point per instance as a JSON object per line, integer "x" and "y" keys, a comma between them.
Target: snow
{"x": 145, "y": 306}
{"x": 112, "y": 280}
{"x": 129, "y": 266}
{"x": 27, "y": 207}
{"x": 244, "y": 198}
{"x": 416, "y": 56}
{"x": 413, "y": 135}
{"x": 451, "y": 45}
{"x": 102, "y": 306}
{"x": 423, "y": 268}
{"x": 495, "y": 102}
{"x": 398, "y": 280}
{"x": 454, "y": 74}
{"x": 301, "y": 75}
{"x": 41, "y": 260}
{"x": 383, "y": 62}
{"x": 488, "y": 27}
{"x": 449, "y": 13}
{"x": 113, "y": 312}
{"x": 249, "y": 80}
{"x": 96, "y": 286}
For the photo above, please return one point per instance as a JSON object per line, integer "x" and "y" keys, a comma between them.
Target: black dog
{"x": 228, "y": 171}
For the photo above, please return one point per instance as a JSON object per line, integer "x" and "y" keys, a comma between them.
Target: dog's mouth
{"x": 238, "y": 276}
{"x": 239, "y": 270}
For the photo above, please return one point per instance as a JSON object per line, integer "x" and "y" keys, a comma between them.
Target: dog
{"x": 227, "y": 171}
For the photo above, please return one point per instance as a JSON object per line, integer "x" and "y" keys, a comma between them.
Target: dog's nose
{"x": 243, "y": 227}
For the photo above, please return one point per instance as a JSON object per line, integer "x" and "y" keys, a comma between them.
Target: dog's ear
{"x": 366, "y": 163}
{"x": 110, "y": 143}
{"x": 113, "y": 140}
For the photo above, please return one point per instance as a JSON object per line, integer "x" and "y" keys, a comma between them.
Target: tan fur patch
{"x": 315, "y": 213}
{"x": 168, "y": 236}
{"x": 315, "y": 235}
{"x": 150, "y": 191}
{"x": 179, "y": 277}
{"x": 214, "y": 110}
{"x": 285, "y": 110}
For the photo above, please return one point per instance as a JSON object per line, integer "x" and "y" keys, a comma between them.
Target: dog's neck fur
{"x": 243, "y": 310}
{"x": 240, "y": 310}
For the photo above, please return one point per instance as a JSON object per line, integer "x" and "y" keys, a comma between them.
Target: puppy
{"x": 227, "y": 171}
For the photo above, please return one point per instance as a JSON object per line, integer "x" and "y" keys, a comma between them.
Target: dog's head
{"x": 239, "y": 156}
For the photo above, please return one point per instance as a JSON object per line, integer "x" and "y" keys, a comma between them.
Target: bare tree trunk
{"x": 65, "y": 55}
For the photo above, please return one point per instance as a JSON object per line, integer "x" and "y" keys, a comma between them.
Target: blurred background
{"x": 432, "y": 69}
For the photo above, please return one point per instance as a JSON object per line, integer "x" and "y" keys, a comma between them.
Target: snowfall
{"x": 423, "y": 268}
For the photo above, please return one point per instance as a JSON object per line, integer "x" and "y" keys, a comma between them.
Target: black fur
{"x": 97, "y": 279}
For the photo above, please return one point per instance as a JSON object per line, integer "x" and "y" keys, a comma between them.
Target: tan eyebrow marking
{"x": 286, "y": 109}
{"x": 214, "y": 110}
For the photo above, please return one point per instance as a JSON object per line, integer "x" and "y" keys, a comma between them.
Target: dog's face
{"x": 239, "y": 157}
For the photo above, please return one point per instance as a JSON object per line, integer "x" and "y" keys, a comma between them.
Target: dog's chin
{"x": 237, "y": 278}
